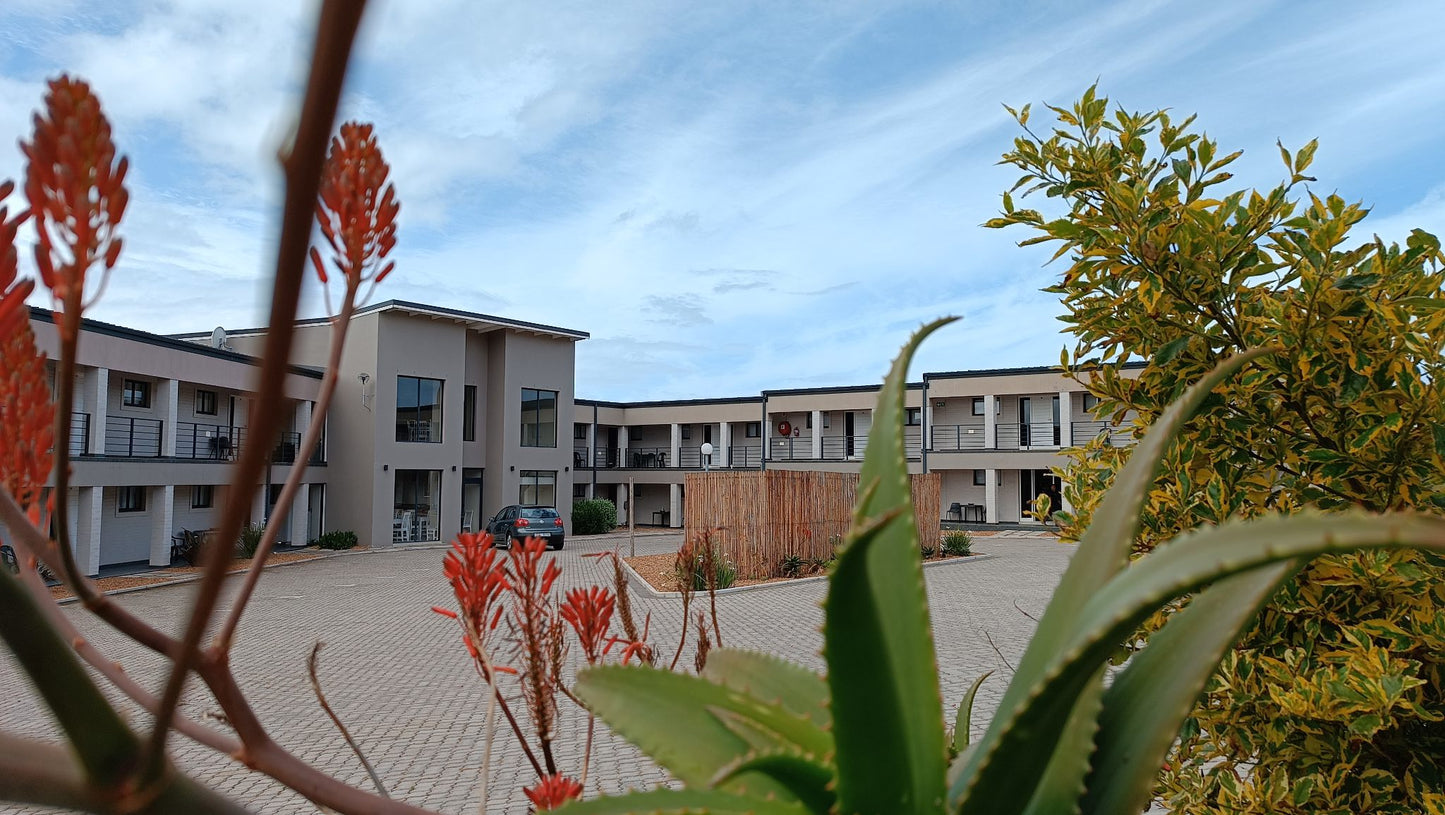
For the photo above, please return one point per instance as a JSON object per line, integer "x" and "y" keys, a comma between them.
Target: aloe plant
{"x": 759, "y": 734}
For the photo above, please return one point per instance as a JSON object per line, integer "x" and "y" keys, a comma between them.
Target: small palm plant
{"x": 758, "y": 734}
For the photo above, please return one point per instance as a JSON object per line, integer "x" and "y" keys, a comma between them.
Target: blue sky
{"x": 729, "y": 197}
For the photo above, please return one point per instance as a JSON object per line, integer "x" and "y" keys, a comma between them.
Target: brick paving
{"x": 400, "y": 678}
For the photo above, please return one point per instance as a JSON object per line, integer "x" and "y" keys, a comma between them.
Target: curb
{"x": 191, "y": 578}
{"x": 645, "y": 588}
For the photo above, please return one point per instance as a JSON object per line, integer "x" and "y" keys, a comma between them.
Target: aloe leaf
{"x": 882, "y": 672}
{"x": 963, "y": 719}
{"x": 1186, "y": 564}
{"x": 1062, "y": 784}
{"x": 682, "y": 802}
{"x": 1157, "y": 689}
{"x": 809, "y": 782}
{"x": 670, "y": 718}
{"x": 770, "y": 679}
{"x": 1104, "y": 550}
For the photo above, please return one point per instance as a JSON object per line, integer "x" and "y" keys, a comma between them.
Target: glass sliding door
{"x": 416, "y": 512}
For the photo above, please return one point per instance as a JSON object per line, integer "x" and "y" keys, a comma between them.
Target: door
{"x": 1033, "y": 483}
{"x": 848, "y": 434}
{"x": 1025, "y": 419}
{"x": 611, "y": 458}
{"x": 1056, "y": 422}
{"x": 471, "y": 499}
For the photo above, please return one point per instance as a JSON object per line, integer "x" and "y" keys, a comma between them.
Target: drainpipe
{"x": 923, "y": 427}
{"x": 763, "y": 431}
{"x": 592, "y": 453}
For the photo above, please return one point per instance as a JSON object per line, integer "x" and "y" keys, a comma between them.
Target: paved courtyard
{"x": 400, "y": 678}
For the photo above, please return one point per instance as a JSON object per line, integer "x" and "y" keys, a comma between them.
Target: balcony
{"x": 951, "y": 438}
{"x": 133, "y": 437}
{"x": 643, "y": 458}
{"x": 196, "y": 440}
{"x": 1084, "y": 432}
{"x": 79, "y": 434}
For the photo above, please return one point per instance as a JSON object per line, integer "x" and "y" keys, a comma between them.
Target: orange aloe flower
{"x": 589, "y": 612}
{"x": 27, "y": 419}
{"x": 552, "y": 791}
{"x": 356, "y": 209}
{"x": 479, "y": 580}
{"x": 76, "y": 187}
{"x": 13, "y": 291}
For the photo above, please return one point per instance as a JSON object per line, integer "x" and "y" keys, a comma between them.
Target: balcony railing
{"x": 208, "y": 441}
{"x": 133, "y": 437}
{"x": 285, "y": 450}
{"x": 687, "y": 458}
{"x": 643, "y": 457}
{"x": 745, "y": 456}
{"x": 79, "y": 434}
{"x": 956, "y": 437}
{"x": 1084, "y": 432}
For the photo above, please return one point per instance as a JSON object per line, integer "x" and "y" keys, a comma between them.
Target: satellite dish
{"x": 218, "y": 339}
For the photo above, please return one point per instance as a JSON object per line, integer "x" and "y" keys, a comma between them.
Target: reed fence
{"x": 762, "y": 517}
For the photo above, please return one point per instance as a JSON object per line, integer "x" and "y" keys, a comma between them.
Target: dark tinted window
{"x": 539, "y": 513}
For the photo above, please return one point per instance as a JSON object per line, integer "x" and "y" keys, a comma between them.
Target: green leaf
{"x": 963, "y": 719}
{"x": 882, "y": 671}
{"x": 1355, "y": 282}
{"x": 770, "y": 679}
{"x": 671, "y": 718}
{"x": 681, "y": 802}
{"x": 1439, "y": 433}
{"x": 1156, "y": 690}
{"x": 1170, "y": 350}
{"x": 1006, "y": 763}
{"x": 808, "y": 781}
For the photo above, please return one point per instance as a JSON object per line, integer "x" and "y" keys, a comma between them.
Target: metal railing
{"x": 955, "y": 437}
{"x": 79, "y": 434}
{"x": 285, "y": 450}
{"x": 1084, "y": 432}
{"x": 208, "y": 441}
{"x": 745, "y": 456}
{"x": 133, "y": 437}
{"x": 1039, "y": 434}
{"x": 645, "y": 457}
{"x": 791, "y": 448}
{"x": 318, "y": 453}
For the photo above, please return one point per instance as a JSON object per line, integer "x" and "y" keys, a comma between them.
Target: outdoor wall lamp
{"x": 385, "y": 467}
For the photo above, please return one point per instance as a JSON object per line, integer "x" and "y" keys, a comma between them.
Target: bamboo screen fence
{"x": 761, "y": 517}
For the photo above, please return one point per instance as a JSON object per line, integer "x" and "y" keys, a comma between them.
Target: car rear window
{"x": 539, "y": 513}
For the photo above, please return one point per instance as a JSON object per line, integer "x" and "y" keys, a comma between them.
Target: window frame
{"x": 538, "y": 440}
{"x": 913, "y": 417}
{"x": 439, "y": 407}
{"x": 198, "y": 490}
{"x": 469, "y": 412}
{"x": 135, "y": 386}
{"x": 980, "y": 478}
{"x": 753, "y": 430}
{"x": 579, "y": 431}
{"x": 137, "y": 499}
{"x": 214, "y": 398}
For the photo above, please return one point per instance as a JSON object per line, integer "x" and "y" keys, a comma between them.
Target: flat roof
{"x": 488, "y": 320}
{"x": 172, "y": 342}
{"x": 1037, "y": 369}
{"x": 835, "y": 389}
{"x": 724, "y": 400}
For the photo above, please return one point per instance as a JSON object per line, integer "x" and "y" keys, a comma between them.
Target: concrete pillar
{"x": 99, "y": 400}
{"x": 87, "y": 529}
{"x": 622, "y": 450}
{"x": 303, "y": 424}
{"x": 674, "y": 505}
{"x": 990, "y": 423}
{"x": 591, "y": 455}
{"x": 620, "y": 499}
{"x": 258, "y": 505}
{"x": 767, "y": 437}
{"x": 169, "y": 392}
{"x": 817, "y": 440}
{"x": 162, "y": 502}
{"x": 1066, "y": 419}
{"x": 674, "y": 448}
{"x": 299, "y": 517}
{"x": 990, "y": 494}
{"x": 723, "y": 456}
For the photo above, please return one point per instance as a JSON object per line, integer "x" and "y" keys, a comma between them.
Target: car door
{"x": 509, "y": 519}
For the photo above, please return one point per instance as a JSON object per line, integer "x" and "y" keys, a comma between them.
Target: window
{"x": 687, "y": 431}
{"x": 469, "y": 413}
{"x": 202, "y": 496}
{"x": 754, "y": 430}
{"x": 136, "y": 393}
{"x": 808, "y": 420}
{"x": 130, "y": 499}
{"x": 539, "y": 418}
{"x": 538, "y": 488}
{"x": 579, "y": 431}
{"x": 418, "y": 409}
{"x": 1090, "y": 401}
{"x": 978, "y": 405}
{"x": 912, "y": 416}
{"x": 980, "y": 478}
{"x": 206, "y": 403}
{"x": 579, "y": 491}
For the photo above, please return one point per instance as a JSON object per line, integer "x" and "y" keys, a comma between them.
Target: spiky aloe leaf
{"x": 963, "y": 719}
{"x": 766, "y": 677}
{"x": 1186, "y": 564}
{"x": 682, "y": 802}
{"x": 882, "y": 672}
{"x": 810, "y": 782}
{"x": 1156, "y": 690}
{"x": 1003, "y": 775}
{"x": 671, "y": 718}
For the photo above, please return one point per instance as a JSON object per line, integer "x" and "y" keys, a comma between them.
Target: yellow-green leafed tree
{"x": 1334, "y": 701}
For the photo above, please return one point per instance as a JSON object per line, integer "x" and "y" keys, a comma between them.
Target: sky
{"x": 729, "y": 197}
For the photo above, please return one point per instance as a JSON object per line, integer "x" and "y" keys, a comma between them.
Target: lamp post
{"x": 706, "y": 455}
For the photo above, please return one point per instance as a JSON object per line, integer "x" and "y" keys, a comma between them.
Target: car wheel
{"x": 557, "y": 546}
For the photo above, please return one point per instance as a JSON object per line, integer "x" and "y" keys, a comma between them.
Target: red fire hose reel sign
{"x": 785, "y": 429}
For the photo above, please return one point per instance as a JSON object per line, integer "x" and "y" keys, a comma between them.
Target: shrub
{"x": 593, "y": 517}
{"x": 724, "y": 571}
{"x": 791, "y": 566}
{"x": 957, "y": 543}
{"x": 336, "y": 539}
{"x": 928, "y": 552}
{"x": 250, "y": 540}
